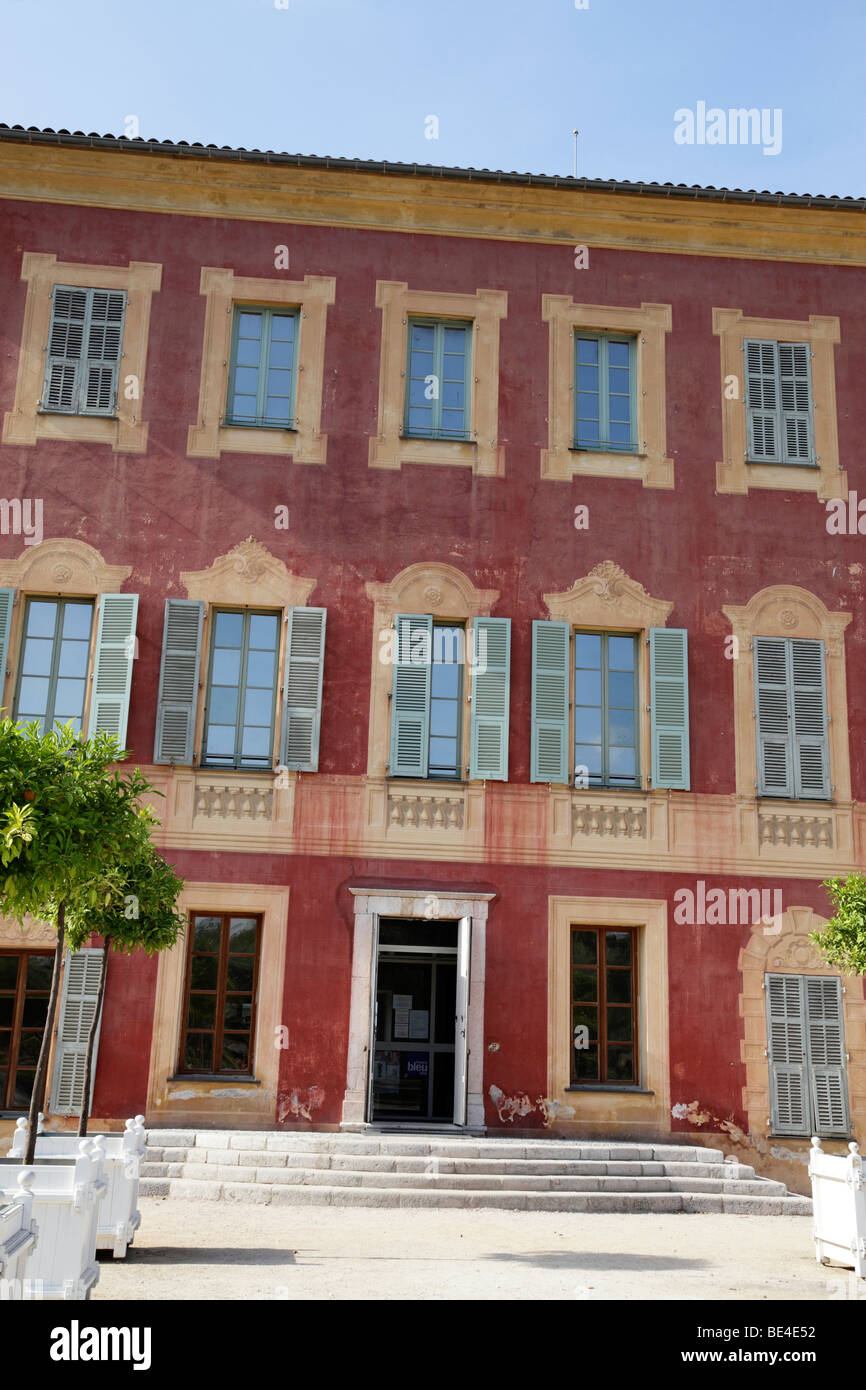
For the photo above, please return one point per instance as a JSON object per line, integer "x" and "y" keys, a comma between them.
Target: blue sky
{"x": 508, "y": 80}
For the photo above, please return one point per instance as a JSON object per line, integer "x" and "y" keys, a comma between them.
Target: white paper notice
{"x": 402, "y": 1001}
{"x": 401, "y": 1023}
{"x": 418, "y": 1023}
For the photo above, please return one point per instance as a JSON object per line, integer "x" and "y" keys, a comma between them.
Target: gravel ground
{"x": 221, "y": 1250}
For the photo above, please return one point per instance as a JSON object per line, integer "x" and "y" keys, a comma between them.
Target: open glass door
{"x": 464, "y": 943}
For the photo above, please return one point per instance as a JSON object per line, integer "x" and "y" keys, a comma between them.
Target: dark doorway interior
{"x": 413, "y": 1077}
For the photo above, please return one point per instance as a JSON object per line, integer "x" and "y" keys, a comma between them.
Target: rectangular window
{"x": 85, "y": 340}
{"x": 779, "y": 402}
{"x": 52, "y": 680}
{"x": 605, "y": 396}
{"x": 446, "y": 691}
{"x": 262, "y": 371}
{"x": 242, "y": 687}
{"x": 605, "y": 710}
{"x": 791, "y": 718}
{"x": 220, "y": 997}
{"x": 603, "y": 1007}
{"x": 806, "y": 1053}
{"x": 437, "y": 379}
{"x": 25, "y": 981}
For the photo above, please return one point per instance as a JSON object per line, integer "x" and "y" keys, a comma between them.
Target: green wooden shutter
{"x": 488, "y": 755}
{"x": 772, "y": 710}
{"x": 762, "y": 400}
{"x": 790, "y": 1110}
{"x": 104, "y": 339}
{"x": 826, "y": 1040}
{"x": 811, "y": 746}
{"x": 549, "y": 751}
{"x": 669, "y": 704}
{"x": 795, "y": 391}
{"x": 112, "y": 675}
{"x": 410, "y": 696}
{"x": 77, "y": 1007}
{"x": 65, "y": 350}
{"x": 178, "y": 681}
{"x": 7, "y": 601}
{"x": 302, "y": 688}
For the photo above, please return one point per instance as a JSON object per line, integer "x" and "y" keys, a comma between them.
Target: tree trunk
{"x": 91, "y": 1038}
{"x": 39, "y": 1080}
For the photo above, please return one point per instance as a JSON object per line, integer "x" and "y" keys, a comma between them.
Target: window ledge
{"x": 625, "y": 1090}
{"x": 782, "y": 463}
{"x": 607, "y": 449}
{"x": 224, "y": 1077}
{"x": 256, "y": 425}
{"x": 79, "y": 414}
{"x": 443, "y": 438}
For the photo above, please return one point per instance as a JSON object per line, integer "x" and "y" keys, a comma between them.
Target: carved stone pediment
{"x": 608, "y": 597}
{"x": 248, "y": 574}
{"x": 430, "y": 587}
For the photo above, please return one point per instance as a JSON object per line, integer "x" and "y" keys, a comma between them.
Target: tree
{"x": 843, "y": 940}
{"x": 70, "y": 827}
{"x": 145, "y": 919}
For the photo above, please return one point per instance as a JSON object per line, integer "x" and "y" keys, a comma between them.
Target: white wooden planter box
{"x": 839, "y": 1207}
{"x": 119, "y": 1217}
{"x": 18, "y": 1232}
{"x": 66, "y": 1196}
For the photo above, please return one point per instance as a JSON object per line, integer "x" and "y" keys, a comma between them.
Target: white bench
{"x": 66, "y": 1196}
{"x": 839, "y": 1207}
{"x": 18, "y": 1233}
{"x": 119, "y": 1217}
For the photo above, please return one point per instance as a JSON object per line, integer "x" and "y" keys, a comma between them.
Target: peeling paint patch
{"x": 509, "y": 1106}
{"x": 553, "y": 1109}
{"x": 692, "y": 1112}
{"x": 183, "y": 1095}
{"x": 299, "y": 1105}
{"x": 242, "y": 1094}
{"x": 776, "y": 1151}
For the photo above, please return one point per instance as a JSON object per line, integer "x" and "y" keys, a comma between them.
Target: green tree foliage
{"x": 843, "y": 940}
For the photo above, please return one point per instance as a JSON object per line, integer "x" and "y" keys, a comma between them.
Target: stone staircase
{"x": 401, "y": 1170}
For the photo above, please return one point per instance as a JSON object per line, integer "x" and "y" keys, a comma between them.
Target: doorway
{"x": 417, "y": 1052}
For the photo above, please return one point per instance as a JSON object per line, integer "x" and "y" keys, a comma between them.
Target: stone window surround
{"x": 213, "y": 1102}
{"x": 208, "y": 438}
{"x": 649, "y": 324}
{"x": 56, "y": 568}
{"x": 607, "y": 600}
{"x": 648, "y": 1105}
{"x": 248, "y": 576}
{"x": 483, "y": 453}
{"x": 785, "y": 949}
{"x": 370, "y": 904}
{"x": 734, "y": 474}
{"x": 426, "y": 587}
{"x": 785, "y": 610}
{"x": 125, "y": 431}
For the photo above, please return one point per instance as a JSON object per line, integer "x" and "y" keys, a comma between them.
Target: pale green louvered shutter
{"x": 669, "y": 705}
{"x": 112, "y": 674}
{"x": 787, "y": 1055}
{"x": 84, "y": 351}
{"x": 7, "y": 600}
{"x": 826, "y": 1040}
{"x": 775, "y": 761}
{"x": 178, "y": 681}
{"x": 795, "y": 393}
{"x": 488, "y": 755}
{"x": 410, "y": 695}
{"x": 811, "y": 753}
{"x": 549, "y": 750}
{"x": 77, "y": 1007}
{"x": 762, "y": 400}
{"x": 302, "y": 689}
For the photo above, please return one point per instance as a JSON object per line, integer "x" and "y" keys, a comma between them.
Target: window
{"x": 605, "y": 709}
{"x": 262, "y": 372}
{"x": 84, "y": 349}
{"x": 437, "y": 380}
{"x": 603, "y": 1013}
{"x": 779, "y": 402}
{"x": 25, "y": 981}
{"x": 604, "y": 692}
{"x": 604, "y": 396}
{"x": 220, "y": 996}
{"x": 791, "y": 718}
{"x": 806, "y": 1048}
{"x": 52, "y": 681}
{"x": 239, "y": 714}
{"x": 428, "y": 690}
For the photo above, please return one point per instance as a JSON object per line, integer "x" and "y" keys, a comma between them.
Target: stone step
{"x": 506, "y": 1182}
{"x": 388, "y": 1163}
{"x": 605, "y": 1201}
